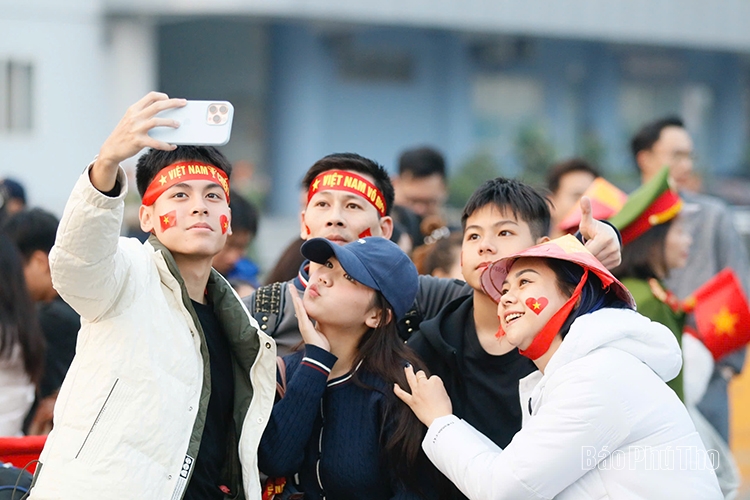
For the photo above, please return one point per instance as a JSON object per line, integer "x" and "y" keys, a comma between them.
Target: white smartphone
{"x": 202, "y": 123}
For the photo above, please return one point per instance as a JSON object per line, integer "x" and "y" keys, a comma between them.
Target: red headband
{"x": 342, "y": 180}
{"x": 181, "y": 172}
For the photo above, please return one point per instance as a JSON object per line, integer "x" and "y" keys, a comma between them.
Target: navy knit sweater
{"x": 329, "y": 433}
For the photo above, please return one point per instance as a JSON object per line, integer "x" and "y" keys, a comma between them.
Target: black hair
{"x": 647, "y": 136}
{"x": 522, "y": 200}
{"x": 244, "y": 214}
{"x": 32, "y": 230}
{"x": 154, "y": 160}
{"x": 354, "y": 163}
{"x": 18, "y": 320}
{"x": 422, "y": 162}
{"x": 644, "y": 258}
{"x": 383, "y": 353}
{"x": 561, "y": 169}
{"x": 440, "y": 254}
{"x": 593, "y": 295}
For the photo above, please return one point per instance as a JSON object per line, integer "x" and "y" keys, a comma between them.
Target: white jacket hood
{"x": 651, "y": 342}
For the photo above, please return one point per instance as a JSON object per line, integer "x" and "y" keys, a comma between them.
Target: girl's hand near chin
{"x": 310, "y": 334}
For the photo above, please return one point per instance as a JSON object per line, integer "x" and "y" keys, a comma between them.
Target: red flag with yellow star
{"x": 721, "y": 313}
{"x": 168, "y": 220}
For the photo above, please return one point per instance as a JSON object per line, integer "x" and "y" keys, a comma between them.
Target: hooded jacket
{"x": 600, "y": 423}
{"x": 130, "y": 413}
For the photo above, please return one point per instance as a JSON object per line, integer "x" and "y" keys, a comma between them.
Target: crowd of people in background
{"x": 419, "y": 356}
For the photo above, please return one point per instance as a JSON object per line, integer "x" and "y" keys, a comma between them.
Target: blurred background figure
{"x": 440, "y": 258}
{"x": 21, "y": 343}
{"x": 716, "y": 244}
{"x": 567, "y": 181}
{"x": 33, "y": 231}
{"x": 232, "y": 262}
{"x": 13, "y": 195}
{"x": 421, "y": 190}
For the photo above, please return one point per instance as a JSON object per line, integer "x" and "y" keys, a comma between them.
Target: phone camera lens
{"x": 216, "y": 118}
{"x": 212, "y": 109}
{"x": 223, "y": 110}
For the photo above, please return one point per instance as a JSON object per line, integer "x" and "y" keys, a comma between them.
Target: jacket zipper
{"x": 320, "y": 451}
{"x": 98, "y": 416}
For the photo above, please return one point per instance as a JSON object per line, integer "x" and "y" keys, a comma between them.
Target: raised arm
{"x": 88, "y": 269}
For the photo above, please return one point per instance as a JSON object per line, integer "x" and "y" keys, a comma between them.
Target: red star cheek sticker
{"x": 168, "y": 220}
{"x": 224, "y": 220}
{"x": 364, "y": 234}
{"x": 537, "y": 305}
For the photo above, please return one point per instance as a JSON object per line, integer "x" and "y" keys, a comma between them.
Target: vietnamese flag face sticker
{"x": 224, "y": 220}
{"x": 364, "y": 234}
{"x": 537, "y": 305}
{"x": 168, "y": 220}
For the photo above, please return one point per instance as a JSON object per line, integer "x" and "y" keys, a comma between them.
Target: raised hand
{"x": 310, "y": 334}
{"x": 131, "y": 135}
{"x": 600, "y": 238}
{"x": 428, "y": 399}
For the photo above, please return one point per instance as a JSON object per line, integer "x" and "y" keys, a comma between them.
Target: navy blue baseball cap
{"x": 375, "y": 262}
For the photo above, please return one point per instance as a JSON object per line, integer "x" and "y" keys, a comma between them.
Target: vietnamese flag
{"x": 721, "y": 313}
{"x": 168, "y": 220}
{"x": 606, "y": 201}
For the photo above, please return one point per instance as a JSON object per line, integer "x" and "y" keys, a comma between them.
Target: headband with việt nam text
{"x": 342, "y": 180}
{"x": 181, "y": 172}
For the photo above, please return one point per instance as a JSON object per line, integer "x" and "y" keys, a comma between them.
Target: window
{"x": 15, "y": 96}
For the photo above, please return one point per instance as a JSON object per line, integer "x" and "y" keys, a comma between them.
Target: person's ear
{"x": 543, "y": 239}
{"x": 146, "y": 218}
{"x": 229, "y": 228}
{"x": 304, "y": 231}
{"x": 374, "y": 315}
{"x": 386, "y": 226}
{"x": 39, "y": 262}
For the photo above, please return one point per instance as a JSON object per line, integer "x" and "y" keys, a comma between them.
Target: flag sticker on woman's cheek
{"x": 537, "y": 305}
{"x": 168, "y": 220}
{"x": 224, "y": 220}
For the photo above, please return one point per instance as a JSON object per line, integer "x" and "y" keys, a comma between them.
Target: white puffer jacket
{"x": 130, "y": 413}
{"x": 599, "y": 424}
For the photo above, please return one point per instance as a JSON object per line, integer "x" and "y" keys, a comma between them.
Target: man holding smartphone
{"x": 172, "y": 382}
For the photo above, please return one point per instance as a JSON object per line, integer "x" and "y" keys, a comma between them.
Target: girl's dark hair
{"x": 644, "y": 257}
{"x": 382, "y": 352}
{"x": 593, "y": 296}
{"x": 18, "y": 322}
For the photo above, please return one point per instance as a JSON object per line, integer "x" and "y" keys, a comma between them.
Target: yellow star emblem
{"x": 315, "y": 184}
{"x": 163, "y": 180}
{"x": 166, "y": 220}
{"x": 537, "y": 305}
{"x": 725, "y": 321}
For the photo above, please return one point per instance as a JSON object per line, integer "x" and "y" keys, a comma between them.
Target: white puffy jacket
{"x": 600, "y": 423}
{"x": 129, "y": 416}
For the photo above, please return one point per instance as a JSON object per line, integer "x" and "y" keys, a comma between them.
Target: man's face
{"x": 422, "y": 195}
{"x": 341, "y": 217}
{"x": 674, "y": 149}
{"x": 187, "y": 218}
{"x": 490, "y": 235}
{"x": 233, "y": 250}
{"x": 571, "y": 188}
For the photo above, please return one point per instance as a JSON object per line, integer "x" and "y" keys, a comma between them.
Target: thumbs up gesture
{"x": 600, "y": 238}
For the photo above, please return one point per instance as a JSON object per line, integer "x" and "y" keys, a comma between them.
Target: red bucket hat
{"x": 566, "y": 248}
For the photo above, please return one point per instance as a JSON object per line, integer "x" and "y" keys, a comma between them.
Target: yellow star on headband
{"x": 163, "y": 180}
{"x": 315, "y": 184}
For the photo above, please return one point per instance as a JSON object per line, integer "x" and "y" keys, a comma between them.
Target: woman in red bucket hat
{"x": 599, "y": 421}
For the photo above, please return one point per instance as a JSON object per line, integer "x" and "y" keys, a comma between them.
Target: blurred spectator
{"x": 716, "y": 244}
{"x": 232, "y": 262}
{"x": 21, "y": 342}
{"x": 33, "y": 232}
{"x": 441, "y": 257}
{"x": 287, "y": 267}
{"x": 567, "y": 181}
{"x": 13, "y": 196}
{"x": 420, "y": 187}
